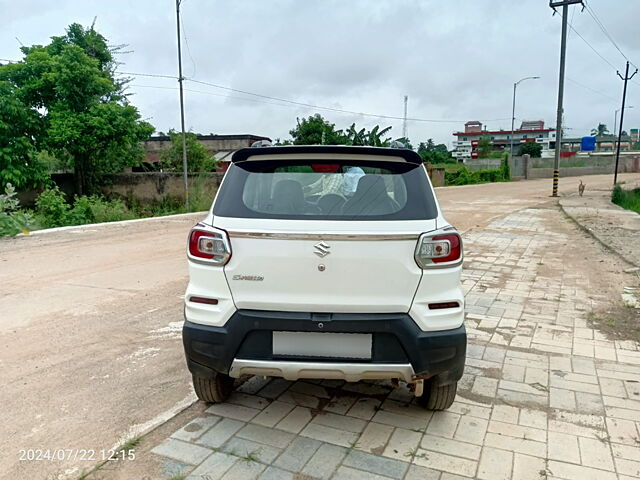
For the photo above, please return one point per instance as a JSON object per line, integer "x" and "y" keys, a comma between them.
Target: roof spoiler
{"x": 254, "y": 151}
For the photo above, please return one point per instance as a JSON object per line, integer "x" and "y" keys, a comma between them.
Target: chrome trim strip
{"x": 351, "y": 372}
{"x": 325, "y": 236}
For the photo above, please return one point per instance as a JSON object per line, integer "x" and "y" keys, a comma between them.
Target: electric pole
{"x": 563, "y": 50}
{"x": 404, "y": 121}
{"x": 626, "y": 78}
{"x": 184, "y": 135}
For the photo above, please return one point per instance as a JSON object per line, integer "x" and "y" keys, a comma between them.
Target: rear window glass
{"x": 317, "y": 190}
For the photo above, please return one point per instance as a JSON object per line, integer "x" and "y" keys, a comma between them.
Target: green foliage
{"x": 52, "y": 209}
{"x": 627, "y": 199}
{"x": 198, "y": 158}
{"x": 12, "y": 220}
{"x": 504, "y": 168}
{"x": 464, "y": 176}
{"x": 64, "y": 98}
{"x": 601, "y": 129}
{"x": 372, "y": 138}
{"x": 19, "y": 124}
{"x": 315, "y": 130}
{"x": 405, "y": 141}
{"x": 432, "y": 153}
{"x": 95, "y": 209}
{"x": 533, "y": 149}
{"x": 484, "y": 147}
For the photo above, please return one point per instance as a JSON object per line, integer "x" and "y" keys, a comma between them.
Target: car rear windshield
{"x": 326, "y": 190}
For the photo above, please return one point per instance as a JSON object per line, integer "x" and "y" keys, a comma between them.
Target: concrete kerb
{"x": 104, "y": 224}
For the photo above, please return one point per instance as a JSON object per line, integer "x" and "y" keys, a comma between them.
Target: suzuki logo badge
{"x": 321, "y": 249}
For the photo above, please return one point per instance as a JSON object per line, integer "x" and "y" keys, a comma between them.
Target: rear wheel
{"x": 437, "y": 397}
{"x": 213, "y": 390}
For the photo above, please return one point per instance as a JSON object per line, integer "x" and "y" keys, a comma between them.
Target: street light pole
{"x": 184, "y": 135}
{"x": 615, "y": 118}
{"x": 513, "y": 110}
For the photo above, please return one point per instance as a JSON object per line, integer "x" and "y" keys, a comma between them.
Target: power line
{"x": 303, "y": 104}
{"x": 589, "y": 45}
{"x": 598, "y": 22}
{"x": 221, "y": 95}
{"x": 592, "y": 89}
{"x": 186, "y": 42}
{"x": 592, "y": 48}
{"x": 155, "y": 75}
{"x": 332, "y": 109}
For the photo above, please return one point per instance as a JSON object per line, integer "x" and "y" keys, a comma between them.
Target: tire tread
{"x": 438, "y": 397}
{"x": 213, "y": 390}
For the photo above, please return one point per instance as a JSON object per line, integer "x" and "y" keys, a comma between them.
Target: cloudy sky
{"x": 457, "y": 60}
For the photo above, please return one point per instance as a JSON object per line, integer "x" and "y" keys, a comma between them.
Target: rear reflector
{"x": 208, "y": 301}
{"x": 438, "y": 306}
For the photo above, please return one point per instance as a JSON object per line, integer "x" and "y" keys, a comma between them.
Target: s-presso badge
{"x": 252, "y": 278}
{"x": 321, "y": 249}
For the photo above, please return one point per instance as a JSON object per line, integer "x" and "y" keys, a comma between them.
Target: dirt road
{"x": 90, "y": 347}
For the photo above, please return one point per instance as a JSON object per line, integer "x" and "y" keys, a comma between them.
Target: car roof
{"x": 406, "y": 154}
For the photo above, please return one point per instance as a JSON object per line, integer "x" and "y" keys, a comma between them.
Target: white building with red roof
{"x": 466, "y": 143}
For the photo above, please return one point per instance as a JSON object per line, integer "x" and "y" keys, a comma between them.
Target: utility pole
{"x": 563, "y": 50}
{"x": 626, "y": 78}
{"x": 184, "y": 135}
{"x": 404, "y": 121}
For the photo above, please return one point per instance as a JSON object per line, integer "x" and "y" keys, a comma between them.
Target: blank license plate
{"x": 338, "y": 345}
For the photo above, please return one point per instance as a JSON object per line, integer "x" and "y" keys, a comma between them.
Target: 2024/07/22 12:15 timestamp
{"x": 81, "y": 454}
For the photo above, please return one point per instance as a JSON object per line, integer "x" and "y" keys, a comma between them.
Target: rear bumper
{"x": 399, "y": 347}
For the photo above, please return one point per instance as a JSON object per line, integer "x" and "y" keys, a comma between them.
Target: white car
{"x": 330, "y": 262}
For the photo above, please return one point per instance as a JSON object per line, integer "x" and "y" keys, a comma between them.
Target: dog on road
{"x": 581, "y": 188}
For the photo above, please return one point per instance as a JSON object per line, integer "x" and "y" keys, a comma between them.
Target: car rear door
{"x": 324, "y": 234}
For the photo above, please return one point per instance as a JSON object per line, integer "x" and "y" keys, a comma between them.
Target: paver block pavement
{"x": 545, "y": 395}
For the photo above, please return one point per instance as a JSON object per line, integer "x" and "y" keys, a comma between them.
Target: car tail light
{"x": 440, "y": 249}
{"x": 209, "y": 245}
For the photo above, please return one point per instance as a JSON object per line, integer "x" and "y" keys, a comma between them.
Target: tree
{"x": 315, "y": 130}
{"x": 484, "y": 147}
{"x": 198, "y": 158}
{"x": 81, "y": 114}
{"x": 432, "y": 153}
{"x": 600, "y": 130}
{"x": 372, "y": 138}
{"x": 19, "y": 126}
{"x": 533, "y": 149}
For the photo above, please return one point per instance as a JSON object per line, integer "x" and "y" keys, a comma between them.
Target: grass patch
{"x": 449, "y": 167}
{"x": 619, "y": 323}
{"x": 131, "y": 444}
{"x": 627, "y": 199}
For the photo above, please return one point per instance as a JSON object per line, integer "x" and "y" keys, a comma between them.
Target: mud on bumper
{"x": 396, "y": 341}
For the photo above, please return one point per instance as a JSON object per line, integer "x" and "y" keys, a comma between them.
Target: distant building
{"x": 466, "y": 143}
{"x": 221, "y": 146}
{"x": 604, "y": 143}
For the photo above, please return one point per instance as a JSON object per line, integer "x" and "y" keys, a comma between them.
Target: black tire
{"x": 213, "y": 390}
{"x": 437, "y": 397}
